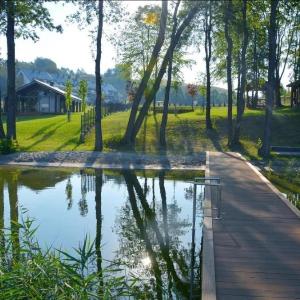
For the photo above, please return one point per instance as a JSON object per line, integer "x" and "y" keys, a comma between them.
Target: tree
{"x": 68, "y": 99}
{"x": 287, "y": 22}
{"x": 82, "y": 92}
{"x": 191, "y": 11}
{"x": 164, "y": 120}
{"x": 11, "y": 72}
{"x": 241, "y": 91}
{"x": 270, "y": 86}
{"x": 20, "y": 19}
{"x": 145, "y": 79}
{"x": 227, "y": 28}
{"x": 207, "y": 45}
{"x": 86, "y": 13}
{"x": 2, "y": 133}
{"x": 98, "y": 116}
{"x": 192, "y": 90}
{"x": 45, "y": 64}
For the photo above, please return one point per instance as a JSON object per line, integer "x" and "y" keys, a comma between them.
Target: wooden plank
{"x": 257, "y": 240}
{"x": 208, "y": 263}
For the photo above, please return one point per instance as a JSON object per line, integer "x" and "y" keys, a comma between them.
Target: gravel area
{"x": 105, "y": 160}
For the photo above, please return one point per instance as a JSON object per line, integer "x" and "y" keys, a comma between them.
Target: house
{"x": 41, "y": 97}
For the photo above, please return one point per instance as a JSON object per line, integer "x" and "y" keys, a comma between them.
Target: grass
{"x": 186, "y": 133}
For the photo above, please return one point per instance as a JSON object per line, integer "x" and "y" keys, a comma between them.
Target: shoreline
{"x": 109, "y": 160}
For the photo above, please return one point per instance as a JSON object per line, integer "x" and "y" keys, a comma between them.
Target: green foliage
{"x": 172, "y": 109}
{"x": 68, "y": 98}
{"x": 8, "y": 146}
{"x": 114, "y": 142}
{"x": 82, "y": 92}
{"x": 45, "y": 64}
{"x": 55, "y": 274}
{"x": 29, "y": 15}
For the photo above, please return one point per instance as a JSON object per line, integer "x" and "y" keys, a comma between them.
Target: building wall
{"x": 42, "y": 100}
{"x": 46, "y": 102}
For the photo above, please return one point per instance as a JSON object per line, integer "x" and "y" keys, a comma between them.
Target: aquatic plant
{"x": 29, "y": 272}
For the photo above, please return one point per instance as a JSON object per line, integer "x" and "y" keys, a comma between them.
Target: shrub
{"x": 114, "y": 142}
{"x": 172, "y": 110}
{"x": 28, "y": 272}
{"x": 8, "y": 146}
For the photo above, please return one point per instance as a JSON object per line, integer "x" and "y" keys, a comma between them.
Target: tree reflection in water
{"x": 150, "y": 229}
{"x": 11, "y": 178}
{"x": 98, "y": 210}
{"x": 69, "y": 193}
{"x": 149, "y": 241}
{"x": 2, "y": 240}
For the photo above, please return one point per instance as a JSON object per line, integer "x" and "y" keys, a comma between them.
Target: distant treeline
{"x": 114, "y": 85}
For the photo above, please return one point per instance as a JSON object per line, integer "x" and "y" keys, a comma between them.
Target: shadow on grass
{"x": 44, "y": 137}
{"x": 214, "y": 136}
{"x": 72, "y": 141}
{"x": 43, "y": 129}
{"x": 36, "y": 117}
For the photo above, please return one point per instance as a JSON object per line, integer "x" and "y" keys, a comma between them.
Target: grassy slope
{"x": 186, "y": 132}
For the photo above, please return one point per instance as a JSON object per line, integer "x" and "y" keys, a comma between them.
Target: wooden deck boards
{"x": 257, "y": 240}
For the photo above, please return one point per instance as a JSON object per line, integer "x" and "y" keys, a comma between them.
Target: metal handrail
{"x": 204, "y": 181}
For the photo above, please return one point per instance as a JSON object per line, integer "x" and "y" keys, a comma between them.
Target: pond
{"x": 140, "y": 220}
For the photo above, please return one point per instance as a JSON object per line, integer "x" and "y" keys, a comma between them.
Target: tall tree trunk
{"x": 98, "y": 114}
{"x": 277, "y": 90}
{"x": 256, "y": 72}
{"x": 279, "y": 76}
{"x": 228, "y": 17}
{"x": 154, "y": 101}
{"x": 2, "y": 133}
{"x": 208, "y": 29}
{"x": 241, "y": 95}
{"x": 265, "y": 149}
{"x": 143, "y": 84}
{"x": 145, "y": 108}
{"x": 11, "y": 71}
{"x": 164, "y": 120}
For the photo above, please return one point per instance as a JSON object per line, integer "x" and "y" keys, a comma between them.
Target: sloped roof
{"x": 46, "y": 85}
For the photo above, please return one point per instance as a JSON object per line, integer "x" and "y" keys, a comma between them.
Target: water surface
{"x": 140, "y": 220}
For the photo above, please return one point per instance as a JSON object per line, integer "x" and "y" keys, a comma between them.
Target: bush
{"x": 114, "y": 142}
{"x": 172, "y": 110}
{"x": 8, "y": 146}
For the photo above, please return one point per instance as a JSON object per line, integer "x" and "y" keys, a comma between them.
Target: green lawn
{"x": 186, "y": 132}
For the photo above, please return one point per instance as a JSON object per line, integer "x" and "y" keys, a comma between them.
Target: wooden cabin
{"x": 41, "y": 97}
{"x": 295, "y": 93}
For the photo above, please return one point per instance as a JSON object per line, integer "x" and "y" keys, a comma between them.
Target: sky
{"x": 72, "y": 48}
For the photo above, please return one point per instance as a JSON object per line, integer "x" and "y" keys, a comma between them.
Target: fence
{"x": 88, "y": 118}
{"x": 87, "y": 122}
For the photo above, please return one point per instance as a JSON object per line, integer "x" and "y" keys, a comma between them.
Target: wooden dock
{"x": 257, "y": 239}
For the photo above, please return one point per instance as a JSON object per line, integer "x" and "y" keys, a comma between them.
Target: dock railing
{"x": 216, "y": 196}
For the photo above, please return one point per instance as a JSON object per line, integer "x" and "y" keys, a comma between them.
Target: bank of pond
{"x": 288, "y": 182}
